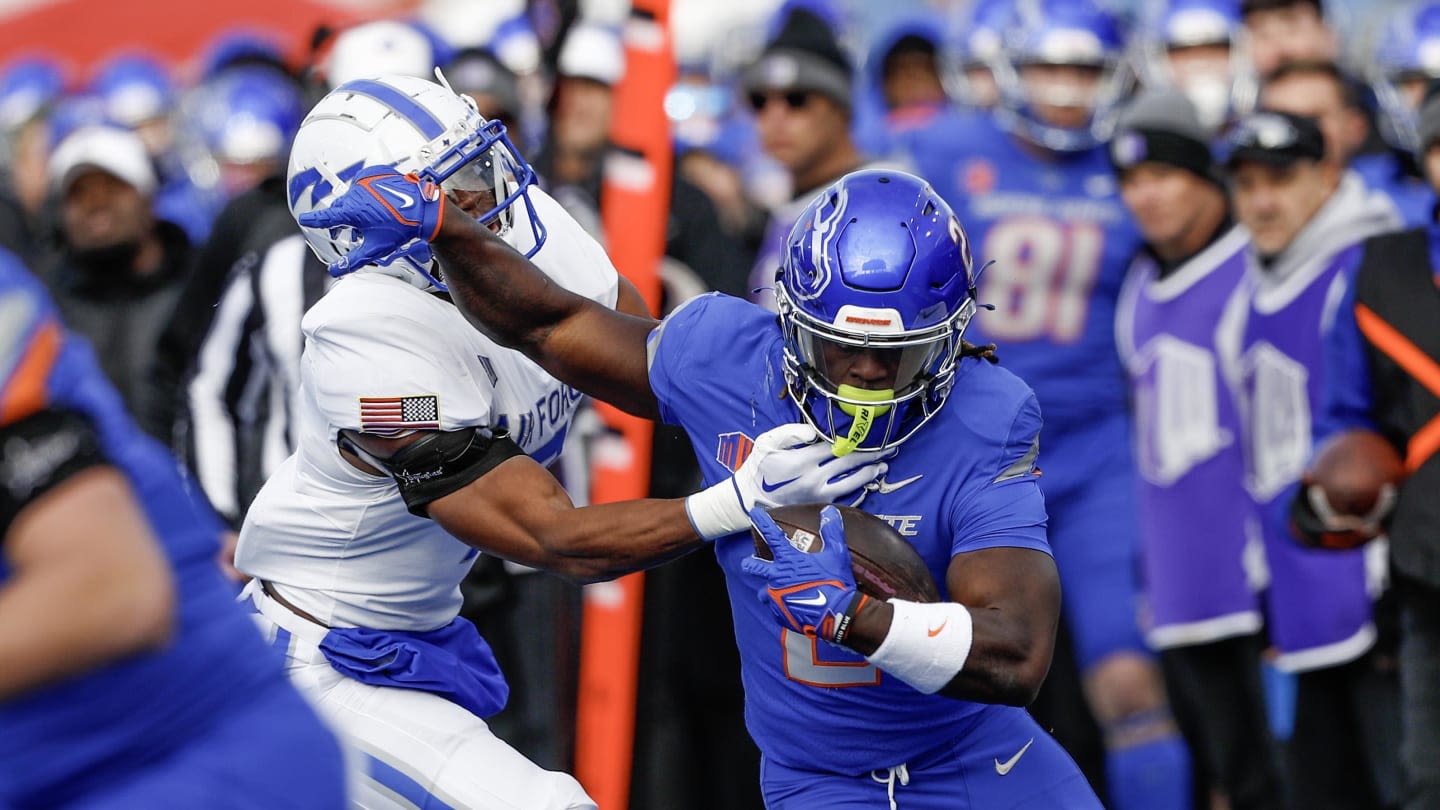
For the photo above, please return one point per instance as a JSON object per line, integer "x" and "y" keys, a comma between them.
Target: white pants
{"x": 419, "y": 750}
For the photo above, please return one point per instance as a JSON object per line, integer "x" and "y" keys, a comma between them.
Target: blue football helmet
{"x": 248, "y": 113}
{"x": 974, "y": 40}
{"x": 135, "y": 89}
{"x": 1075, "y": 33}
{"x": 877, "y": 262}
{"x": 1407, "y": 51}
{"x": 27, "y": 87}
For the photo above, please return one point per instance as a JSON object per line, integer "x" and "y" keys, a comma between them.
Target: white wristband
{"x": 717, "y": 511}
{"x": 927, "y": 644}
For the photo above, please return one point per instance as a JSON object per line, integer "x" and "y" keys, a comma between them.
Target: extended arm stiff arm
{"x": 589, "y": 346}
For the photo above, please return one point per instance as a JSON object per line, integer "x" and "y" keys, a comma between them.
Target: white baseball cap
{"x": 380, "y": 48}
{"x": 592, "y": 51}
{"x": 115, "y": 151}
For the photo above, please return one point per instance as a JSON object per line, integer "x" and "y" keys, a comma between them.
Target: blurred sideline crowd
{"x": 1247, "y": 170}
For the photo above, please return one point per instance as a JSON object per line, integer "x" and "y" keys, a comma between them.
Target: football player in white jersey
{"x": 421, "y": 443}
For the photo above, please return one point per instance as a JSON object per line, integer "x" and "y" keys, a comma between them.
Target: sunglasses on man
{"x": 794, "y": 100}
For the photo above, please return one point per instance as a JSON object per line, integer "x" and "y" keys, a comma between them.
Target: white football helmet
{"x": 418, "y": 127}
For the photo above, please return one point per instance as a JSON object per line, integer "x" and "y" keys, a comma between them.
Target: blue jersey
{"x": 97, "y": 730}
{"x": 1060, "y": 240}
{"x": 964, "y": 482}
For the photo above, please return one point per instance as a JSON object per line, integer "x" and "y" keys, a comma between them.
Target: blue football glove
{"x": 396, "y": 216}
{"x": 810, "y": 593}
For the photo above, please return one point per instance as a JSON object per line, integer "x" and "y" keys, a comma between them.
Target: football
{"x": 1353, "y": 467}
{"x": 885, "y": 565}
{"x": 1357, "y": 472}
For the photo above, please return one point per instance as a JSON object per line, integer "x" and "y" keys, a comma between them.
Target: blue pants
{"x": 1005, "y": 761}
{"x": 1089, "y": 486}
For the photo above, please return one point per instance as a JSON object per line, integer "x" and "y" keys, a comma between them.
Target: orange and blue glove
{"x": 396, "y": 216}
{"x": 812, "y": 593}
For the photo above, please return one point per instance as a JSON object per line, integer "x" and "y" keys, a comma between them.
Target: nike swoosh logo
{"x": 405, "y": 199}
{"x": 937, "y": 631}
{"x": 817, "y": 600}
{"x": 769, "y": 487}
{"x": 884, "y": 487}
{"x": 1003, "y": 768}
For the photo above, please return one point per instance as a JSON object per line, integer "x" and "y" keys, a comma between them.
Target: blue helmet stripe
{"x": 403, "y": 105}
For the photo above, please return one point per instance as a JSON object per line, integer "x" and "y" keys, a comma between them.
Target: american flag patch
{"x": 733, "y": 449}
{"x": 395, "y": 414}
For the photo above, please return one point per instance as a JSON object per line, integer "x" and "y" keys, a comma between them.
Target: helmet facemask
{"x": 482, "y": 163}
{"x": 920, "y": 365}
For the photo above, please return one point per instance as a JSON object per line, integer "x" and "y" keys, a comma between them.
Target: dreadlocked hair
{"x": 984, "y": 351}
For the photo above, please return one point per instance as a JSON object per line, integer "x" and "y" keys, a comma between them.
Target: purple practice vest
{"x": 1188, "y": 448}
{"x": 1319, "y": 602}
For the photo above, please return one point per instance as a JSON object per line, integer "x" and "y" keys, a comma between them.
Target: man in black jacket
{"x": 119, "y": 270}
{"x": 1383, "y": 364}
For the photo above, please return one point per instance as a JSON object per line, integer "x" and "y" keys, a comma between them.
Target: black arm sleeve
{"x": 442, "y": 463}
{"x": 39, "y": 453}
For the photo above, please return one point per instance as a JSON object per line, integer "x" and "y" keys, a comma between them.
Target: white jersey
{"x": 384, "y": 357}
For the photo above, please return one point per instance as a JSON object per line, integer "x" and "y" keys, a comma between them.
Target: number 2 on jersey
{"x": 803, "y": 664}
{"x": 1042, "y": 279}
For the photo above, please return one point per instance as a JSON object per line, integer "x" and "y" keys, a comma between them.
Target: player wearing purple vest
{"x": 1306, "y": 221}
{"x": 1204, "y": 609}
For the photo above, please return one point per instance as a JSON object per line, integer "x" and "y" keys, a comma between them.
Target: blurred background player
{"x": 133, "y": 680}
{"x": 1201, "y": 591}
{"x": 1033, "y": 184}
{"x": 1306, "y": 221}
{"x": 28, "y": 89}
{"x": 1380, "y": 365}
{"x": 1406, "y": 57}
{"x": 1199, "y": 47}
{"x": 976, "y": 37}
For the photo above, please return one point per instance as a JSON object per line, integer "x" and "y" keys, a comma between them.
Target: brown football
{"x": 1352, "y": 467}
{"x": 885, "y": 565}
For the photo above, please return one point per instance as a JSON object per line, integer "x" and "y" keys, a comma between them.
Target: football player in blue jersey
{"x": 854, "y": 702}
{"x": 131, "y": 679}
{"x": 1033, "y": 185}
